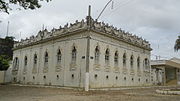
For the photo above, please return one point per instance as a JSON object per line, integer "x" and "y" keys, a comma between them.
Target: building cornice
{"x": 49, "y": 39}
{"x": 81, "y": 26}
{"x": 123, "y": 40}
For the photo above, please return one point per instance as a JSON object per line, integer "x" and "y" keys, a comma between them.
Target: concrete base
{"x": 178, "y": 83}
{"x": 168, "y": 92}
{"x": 87, "y": 82}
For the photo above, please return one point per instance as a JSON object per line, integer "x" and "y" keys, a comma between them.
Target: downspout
{"x": 87, "y": 64}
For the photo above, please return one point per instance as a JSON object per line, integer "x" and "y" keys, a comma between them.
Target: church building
{"x": 86, "y": 54}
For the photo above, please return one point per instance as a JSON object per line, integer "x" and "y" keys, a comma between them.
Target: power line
{"x": 104, "y": 9}
{"x": 121, "y": 4}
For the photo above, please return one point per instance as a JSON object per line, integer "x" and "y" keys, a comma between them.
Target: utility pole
{"x": 20, "y": 36}
{"x": 88, "y": 51}
{"x": 7, "y": 29}
{"x": 43, "y": 27}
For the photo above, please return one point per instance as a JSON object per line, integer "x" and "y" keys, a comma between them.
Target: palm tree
{"x": 177, "y": 44}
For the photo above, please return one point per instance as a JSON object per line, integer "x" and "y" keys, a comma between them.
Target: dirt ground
{"x": 24, "y": 93}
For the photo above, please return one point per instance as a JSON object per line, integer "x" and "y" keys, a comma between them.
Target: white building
{"x": 165, "y": 72}
{"x": 87, "y": 53}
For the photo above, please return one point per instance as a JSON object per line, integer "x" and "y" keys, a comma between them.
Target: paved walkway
{"x": 50, "y": 93}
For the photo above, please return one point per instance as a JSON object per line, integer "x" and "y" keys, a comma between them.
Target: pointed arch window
{"x": 74, "y": 54}
{"x": 138, "y": 62}
{"x": 116, "y": 58}
{"x": 25, "y": 61}
{"x": 46, "y": 58}
{"x": 146, "y": 63}
{"x": 16, "y": 63}
{"x": 35, "y": 59}
{"x": 132, "y": 61}
{"x": 107, "y": 56}
{"x": 97, "y": 54}
{"x": 59, "y": 56}
{"x": 124, "y": 59}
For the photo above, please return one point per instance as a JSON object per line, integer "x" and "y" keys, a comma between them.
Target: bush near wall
{"x": 4, "y": 63}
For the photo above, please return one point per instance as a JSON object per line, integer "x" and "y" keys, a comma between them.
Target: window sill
{"x": 34, "y": 71}
{"x": 73, "y": 67}
{"x": 45, "y": 70}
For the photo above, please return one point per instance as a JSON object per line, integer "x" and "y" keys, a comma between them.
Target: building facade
{"x": 84, "y": 54}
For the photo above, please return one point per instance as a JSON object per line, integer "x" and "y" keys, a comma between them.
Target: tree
{"x": 4, "y": 63}
{"x": 6, "y": 47}
{"x": 6, "y": 52}
{"x": 26, "y": 4}
{"x": 177, "y": 44}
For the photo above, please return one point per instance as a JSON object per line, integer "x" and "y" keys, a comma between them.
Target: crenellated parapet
{"x": 89, "y": 24}
{"x": 45, "y": 34}
{"x": 121, "y": 34}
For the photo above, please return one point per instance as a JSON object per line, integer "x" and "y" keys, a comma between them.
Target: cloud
{"x": 155, "y": 21}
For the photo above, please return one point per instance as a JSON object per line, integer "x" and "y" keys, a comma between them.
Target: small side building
{"x": 165, "y": 72}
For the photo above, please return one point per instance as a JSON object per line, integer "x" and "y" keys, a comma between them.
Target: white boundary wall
{"x": 2, "y": 76}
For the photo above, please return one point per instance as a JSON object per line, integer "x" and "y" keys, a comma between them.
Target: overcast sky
{"x": 157, "y": 21}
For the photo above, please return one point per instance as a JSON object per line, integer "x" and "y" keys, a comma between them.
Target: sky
{"x": 157, "y": 21}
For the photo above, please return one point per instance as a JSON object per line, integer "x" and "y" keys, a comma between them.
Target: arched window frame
{"x": 35, "y": 59}
{"x": 16, "y": 63}
{"x": 46, "y": 58}
{"x": 25, "y": 61}
{"x": 124, "y": 59}
{"x": 116, "y": 58}
{"x": 74, "y": 54}
{"x": 146, "y": 63}
{"x": 132, "y": 61}
{"x": 138, "y": 62}
{"x": 97, "y": 55}
{"x": 59, "y": 56}
{"x": 107, "y": 56}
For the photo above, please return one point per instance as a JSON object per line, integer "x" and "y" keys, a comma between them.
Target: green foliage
{"x": 6, "y": 52}
{"x": 177, "y": 44}
{"x": 7, "y": 46}
{"x": 26, "y": 4}
{"x": 10, "y": 38}
{"x": 4, "y": 63}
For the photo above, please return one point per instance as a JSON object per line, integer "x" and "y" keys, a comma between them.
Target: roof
{"x": 175, "y": 59}
{"x": 85, "y": 25}
{"x": 169, "y": 63}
